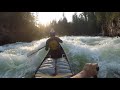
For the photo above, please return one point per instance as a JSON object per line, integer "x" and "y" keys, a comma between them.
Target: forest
{"x": 21, "y": 26}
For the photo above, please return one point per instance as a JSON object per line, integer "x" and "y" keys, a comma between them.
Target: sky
{"x": 46, "y": 17}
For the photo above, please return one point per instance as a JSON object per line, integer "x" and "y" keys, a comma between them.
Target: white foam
{"x": 80, "y": 50}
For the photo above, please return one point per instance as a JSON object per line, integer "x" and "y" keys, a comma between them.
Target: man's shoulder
{"x": 54, "y": 38}
{"x": 48, "y": 39}
{"x": 57, "y": 37}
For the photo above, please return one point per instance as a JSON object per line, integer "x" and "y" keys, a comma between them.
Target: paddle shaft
{"x": 36, "y": 51}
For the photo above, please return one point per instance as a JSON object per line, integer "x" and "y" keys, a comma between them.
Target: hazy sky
{"x": 46, "y": 17}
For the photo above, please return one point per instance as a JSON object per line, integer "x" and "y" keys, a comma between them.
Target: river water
{"x": 105, "y": 51}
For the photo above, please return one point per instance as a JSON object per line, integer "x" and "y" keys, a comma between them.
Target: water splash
{"x": 14, "y": 62}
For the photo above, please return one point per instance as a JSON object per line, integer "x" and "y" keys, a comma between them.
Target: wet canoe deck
{"x": 48, "y": 68}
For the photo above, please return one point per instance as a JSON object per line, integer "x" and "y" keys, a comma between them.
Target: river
{"x": 105, "y": 51}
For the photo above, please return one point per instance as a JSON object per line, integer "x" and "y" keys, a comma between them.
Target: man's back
{"x": 53, "y": 43}
{"x": 55, "y": 49}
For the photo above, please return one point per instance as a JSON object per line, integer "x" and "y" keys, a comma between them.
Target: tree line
{"x": 17, "y": 27}
{"x": 21, "y": 26}
{"x": 87, "y": 23}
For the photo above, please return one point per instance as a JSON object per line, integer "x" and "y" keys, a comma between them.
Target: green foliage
{"x": 21, "y": 26}
{"x": 105, "y": 20}
{"x": 17, "y": 27}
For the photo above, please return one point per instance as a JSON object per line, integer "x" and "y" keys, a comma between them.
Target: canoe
{"x": 47, "y": 67}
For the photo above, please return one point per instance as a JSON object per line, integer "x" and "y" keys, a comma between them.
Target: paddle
{"x": 36, "y": 51}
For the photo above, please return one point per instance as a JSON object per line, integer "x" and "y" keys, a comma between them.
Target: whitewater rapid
{"x": 105, "y": 51}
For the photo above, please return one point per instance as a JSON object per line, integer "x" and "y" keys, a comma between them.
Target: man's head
{"x": 52, "y": 33}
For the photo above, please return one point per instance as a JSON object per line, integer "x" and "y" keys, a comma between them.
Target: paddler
{"x": 52, "y": 44}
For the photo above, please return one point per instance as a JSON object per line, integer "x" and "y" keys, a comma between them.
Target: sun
{"x": 45, "y": 18}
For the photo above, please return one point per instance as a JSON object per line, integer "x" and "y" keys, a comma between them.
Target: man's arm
{"x": 59, "y": 40}
{"x": 46, "y": 47}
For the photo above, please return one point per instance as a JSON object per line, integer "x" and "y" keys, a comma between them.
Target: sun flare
{"x": 46, "y": 17}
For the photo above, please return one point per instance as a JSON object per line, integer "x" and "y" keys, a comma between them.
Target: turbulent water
{"x": 14, "y": 62}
